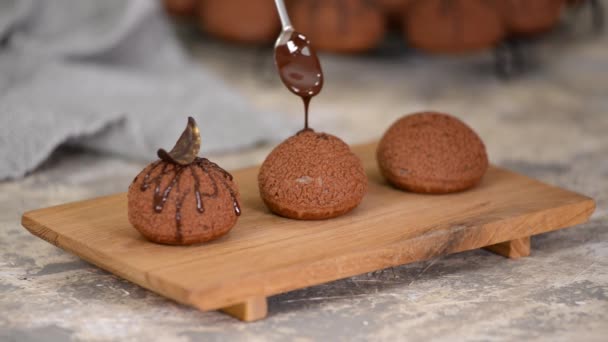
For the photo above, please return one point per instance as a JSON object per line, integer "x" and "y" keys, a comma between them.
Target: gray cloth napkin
{"x": 110, "y": 76}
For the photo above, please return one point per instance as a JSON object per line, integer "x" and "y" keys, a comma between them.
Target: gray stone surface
{"x": 551, "y": 124}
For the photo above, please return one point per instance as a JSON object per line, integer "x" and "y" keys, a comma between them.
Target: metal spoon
{"x": 297, "y": 62}
{"x": 285, "y": 23}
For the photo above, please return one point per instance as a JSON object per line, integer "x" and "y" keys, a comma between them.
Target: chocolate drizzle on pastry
{"x": 161, "y": 195}
{"x": 177, "y": 162}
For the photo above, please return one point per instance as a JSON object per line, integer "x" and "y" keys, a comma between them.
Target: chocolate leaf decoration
{"x": 186, "y": 148}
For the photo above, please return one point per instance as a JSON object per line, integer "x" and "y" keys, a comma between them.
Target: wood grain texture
{"x": 513, "y": 249}
{"x": 266, "y": 255}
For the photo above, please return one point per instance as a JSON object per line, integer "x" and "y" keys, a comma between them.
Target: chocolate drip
{"x": 179, "y": 201}
{"x": 200, "y": 204}
{"x": 235, "y": 202}
{"x": 161, "y": 195}
{"x": 218, "y": 168}
{"x": 299, "y": 69}
{"x": 306, "y": 100}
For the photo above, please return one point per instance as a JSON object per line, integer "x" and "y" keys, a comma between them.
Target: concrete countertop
{"x": 551, "y": 124}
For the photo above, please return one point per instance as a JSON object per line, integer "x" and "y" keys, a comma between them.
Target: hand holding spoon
{"x": 297, "y": 62}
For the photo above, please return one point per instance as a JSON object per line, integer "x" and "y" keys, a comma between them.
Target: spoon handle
{"x": 285, "y": 22}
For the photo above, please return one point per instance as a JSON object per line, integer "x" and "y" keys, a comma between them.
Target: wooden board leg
{"x": 250, "y": 310}
{"x": 513, "y": 249}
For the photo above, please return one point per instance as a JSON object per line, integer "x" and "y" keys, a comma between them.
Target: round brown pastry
{"x": 394, "y": 11}
{"x": 181, "y": 8}
{"x": 525, "y": 17}
{"x": 312, "y": 176}
{"x": 394, "y": 6}
{"x": 432, "y": 153}
{"x": 245, "y": 21}
{"x": 182, "y": 199}
{"x": 453, "y": 26}
{"x": 339, "y": 25}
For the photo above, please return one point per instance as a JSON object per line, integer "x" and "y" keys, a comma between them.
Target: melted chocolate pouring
{"x": 176, "y": 171}
{"x": 300, "y": 69}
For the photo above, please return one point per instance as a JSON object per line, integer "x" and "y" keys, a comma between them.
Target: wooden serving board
{"x": 265, "y": 254}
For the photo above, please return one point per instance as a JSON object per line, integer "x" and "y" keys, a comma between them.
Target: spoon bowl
{"x": 297, "y": 62}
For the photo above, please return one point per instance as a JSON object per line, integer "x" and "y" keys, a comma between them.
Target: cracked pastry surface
{"x": 312, "y": 176}
{"x": 431, "y": 152}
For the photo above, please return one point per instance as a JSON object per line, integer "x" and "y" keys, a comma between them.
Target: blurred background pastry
{"x": 244, "y": 21}
{"x": 523, "y": 17}
{"x": 181, "y": 8}
{"x": 356, "y": 26}
{"x": 340, "y": 25}
{"x": 453, "y": 26}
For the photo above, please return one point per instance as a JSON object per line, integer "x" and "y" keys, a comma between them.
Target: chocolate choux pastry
{"x": 181, "y": 8}
{"x": 394, "y": 10}
{"x": 431, "y": 152}
{"x": 453, "y": 26}
{"x": 339, "y": 25}
{"x": 183, "y": 199}
{"x": 394, "y": 7}
{"x": 243, "y": 21}
{"x": 312, "y": 176}
{"x": 525, "y": 17}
